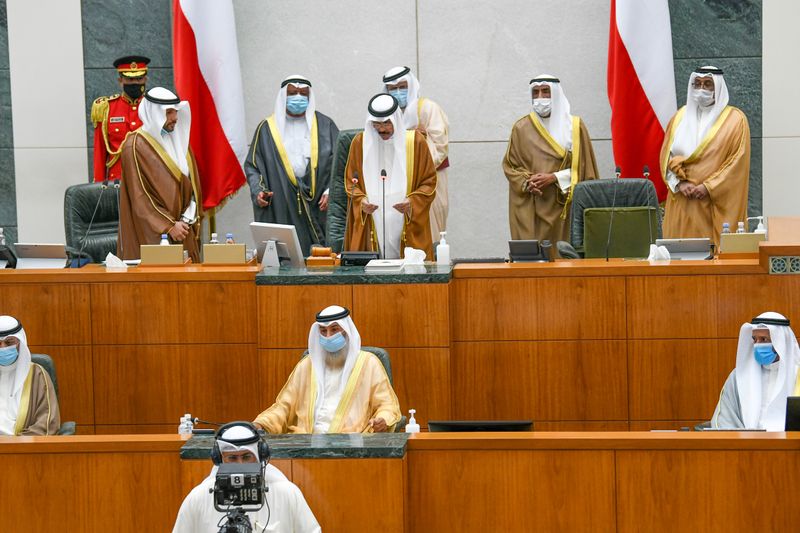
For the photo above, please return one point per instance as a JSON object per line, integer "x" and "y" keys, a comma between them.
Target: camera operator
{"x": 284, "y": 511}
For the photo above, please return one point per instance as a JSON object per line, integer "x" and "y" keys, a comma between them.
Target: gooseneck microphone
{"x": 353, "y": 183}
{"x": 646, "y": 174}
{"x": 617, "y": 173}
{"x": 103, "y": 188}
{"x": 383, "y": 209}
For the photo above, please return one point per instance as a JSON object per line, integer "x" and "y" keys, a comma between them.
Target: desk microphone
{"x": 646, "y": 174}
{"x": 383, "y": 209}
{"x": 617, "y": 172}
{"x": 103, "y": 188}
{"x": 353, "y": 183}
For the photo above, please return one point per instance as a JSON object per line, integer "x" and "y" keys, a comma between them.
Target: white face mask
{"x": 703, "y": 97}
{"x": 542, "y": 106}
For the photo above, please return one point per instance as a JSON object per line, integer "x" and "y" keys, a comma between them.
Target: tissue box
{"x": 156, "y": 254}
{"x": 224, "y": 254}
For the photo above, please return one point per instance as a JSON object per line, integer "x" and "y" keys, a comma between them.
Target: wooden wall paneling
{"x": 157, "y": 384}
{"x": 75, "y": 381}
{"x": 90, "y": 492}
{"x": 137, "y": 429}
{"x": 672, "y": 307}
{"x": 538, "y": 308}
{"x": 221, "y": 312}
{"x": 665, "y": 425}
{"x": 510, "y": 491}
{"x": 354, "y": 494}
{"x": 555, "y": 381}
{"x": 286, "y": 312}
{"x": 741, "y": 298}
{"x": 731, "y": 491}
{"x": 678, "y": 379}
{"x": 571, "y": 425}
{"x": 137, "y": 313}
{"x": 422, "y": 382}
{"x": 402, "y": 315}
{"x": 51, "y": 313}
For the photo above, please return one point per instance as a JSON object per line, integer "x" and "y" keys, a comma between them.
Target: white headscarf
{"x": 559, "y": 123}
{"x": 299, "y": 81}
{"x": 372, "y": 164}
{"x": 318, "y": 354}
{"x": 410, "y": 117}
{"x": 154, "y": 114}
{"x": 238, "y": 433}
{"x": 696, "y": 121}
{"x": 748, "y": 374}
{"x": 11, "y": 327}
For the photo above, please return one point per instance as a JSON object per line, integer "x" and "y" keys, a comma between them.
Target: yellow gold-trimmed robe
{"x": 367, "y": 394}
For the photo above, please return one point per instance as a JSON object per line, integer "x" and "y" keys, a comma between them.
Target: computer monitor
{"x": 479, "y": 425}
{"x": 280, "y": 233}
{"x": 792, "y": 413}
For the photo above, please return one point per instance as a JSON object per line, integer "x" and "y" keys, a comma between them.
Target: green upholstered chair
{"x": 337, "y": 202}
{"x": 383, "y": 355}
{"x": 79, "y": 206}
{"x": 46, "y": 362}
{"x": 635, "y": 204}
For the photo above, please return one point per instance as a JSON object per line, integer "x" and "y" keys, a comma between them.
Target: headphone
{"x": 263, "y": 447}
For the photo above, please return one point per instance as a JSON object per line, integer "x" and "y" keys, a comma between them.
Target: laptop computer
{"x": 37, "y": 255}
{"x": 479, "y": 425}
{"x": 693, "y": 249}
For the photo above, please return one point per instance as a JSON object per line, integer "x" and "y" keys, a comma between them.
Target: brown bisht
{"x": 153, "y": 196}
{"x": 420, "y": 190}
{"x": 531, "y": 150}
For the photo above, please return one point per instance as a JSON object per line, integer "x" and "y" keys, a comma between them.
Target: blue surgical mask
{"x": 8, "y": 355}
{"x": 334, "y": 343}
{"x": 296, "y": 104}
{"x": 401, "y": 95}
{"x": 764, "y": 353}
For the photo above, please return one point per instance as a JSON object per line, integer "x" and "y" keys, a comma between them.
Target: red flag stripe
{"x": 221, "y": 175}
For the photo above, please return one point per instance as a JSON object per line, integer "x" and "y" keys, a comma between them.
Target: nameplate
{"x": 116, "y": 119}
{"x": 224, "y": 254}
{"x": 156, "y": 254}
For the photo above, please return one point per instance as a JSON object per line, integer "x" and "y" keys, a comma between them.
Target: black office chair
{"x": 383, "y": 355}
{"x": 80, "y": 202}
{"x": 337, "y": 201}
{"x": 46, "y": 362}
{"x": 635, "y": 204}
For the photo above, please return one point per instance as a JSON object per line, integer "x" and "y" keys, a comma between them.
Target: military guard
{"x": 114, "y": 116}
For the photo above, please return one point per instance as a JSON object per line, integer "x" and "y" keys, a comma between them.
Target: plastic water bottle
{"x": 412, "y": 426}
{"x": 214, "y": 239}
{"x": 229, "y": 238}
{"x": 740, "y": 227}
{"x": 186, "y": 425}
{"x": 726, "y": 228}
{"x": 2, "y": 238}
{"x": 164, "y": 240}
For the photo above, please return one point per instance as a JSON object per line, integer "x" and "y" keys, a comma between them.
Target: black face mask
{"x": 133, "y": 91}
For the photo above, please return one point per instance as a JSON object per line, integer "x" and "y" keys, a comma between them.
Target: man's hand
{"x": 404, "y": 206}
{"x": 378, "y": 425}
{"x": 422, "y": 130}
{"x": 323, "y": 203}
{"x": 700, "y": 192}
{"x": 537, "y": 182}
{"x": 179, "y": 231}
{"x": 685, "y": 188}
{"x": 264, "y": 198}
{"x": 368, "y": 208}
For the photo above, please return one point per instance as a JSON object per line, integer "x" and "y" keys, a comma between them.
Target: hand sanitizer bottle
{"x": 442, "y": 250}
{"x": 412, "y": 426}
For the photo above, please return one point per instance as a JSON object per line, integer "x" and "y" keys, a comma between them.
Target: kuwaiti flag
{"x": 641, "y": 85}
{"x": 207, "y": 74}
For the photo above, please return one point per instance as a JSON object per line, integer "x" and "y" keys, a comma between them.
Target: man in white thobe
{"x": 285, "y": 510}
{"x": 754, "y": 395}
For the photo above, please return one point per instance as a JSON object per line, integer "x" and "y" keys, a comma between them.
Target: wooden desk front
{"x": 616, "y": 482}
{"x": 573, "y": 345}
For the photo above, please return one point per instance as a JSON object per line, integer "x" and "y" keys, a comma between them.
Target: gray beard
{"x": 334, "y": 358}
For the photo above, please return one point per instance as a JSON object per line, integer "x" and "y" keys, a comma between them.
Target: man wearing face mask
{"x": 160, "y": 192}
{"x": 116, "y": 115}
{"x": 395, "y": 184}
{"x": 428, "y": 118}
{"x": 28, "y": 404}
{"x": 549, "y": 151}
{"x": 289, "y": 164}
{"x": 705, "y": 161}
{"x": 337, "y": 388}
{"x": 754, "y": 395}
